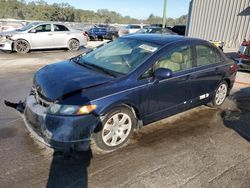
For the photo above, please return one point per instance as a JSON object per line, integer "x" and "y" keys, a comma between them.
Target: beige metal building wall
{"x": 222, "y": 20}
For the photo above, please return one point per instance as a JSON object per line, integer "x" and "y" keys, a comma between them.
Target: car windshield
{"x": 121, "y": 56}
{"x": 27, "y": 27}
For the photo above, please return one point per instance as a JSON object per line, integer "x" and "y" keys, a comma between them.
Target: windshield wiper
{"x": 106, "y": 71}
{"x": 77, "y": 59}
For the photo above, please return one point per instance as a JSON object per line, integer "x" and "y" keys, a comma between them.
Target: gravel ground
{"x": 203, "y": 147}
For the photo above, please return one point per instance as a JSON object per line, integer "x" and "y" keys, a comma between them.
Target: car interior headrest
{"x": 176, "y": 57}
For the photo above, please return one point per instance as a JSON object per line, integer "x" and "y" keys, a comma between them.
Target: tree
{"x": 40, "y": 10}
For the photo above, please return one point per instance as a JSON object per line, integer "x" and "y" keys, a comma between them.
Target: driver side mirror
{"x": 162, "y": 74}
{"x": 33, "y": 31}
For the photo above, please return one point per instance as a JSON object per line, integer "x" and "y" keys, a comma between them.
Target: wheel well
{"x": 22, "y": 39}
{"x": 13, "y": 44}
{"x": 130, "y": 107}
{"x": 228, "y": 84}
{"x": 134, "y": 110}
{"x": 74, "y": 39}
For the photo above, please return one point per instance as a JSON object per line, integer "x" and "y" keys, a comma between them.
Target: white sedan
{"x": 45, "y": 35}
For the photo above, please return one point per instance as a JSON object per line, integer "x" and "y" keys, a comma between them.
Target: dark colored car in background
{"x": 112, "y": 33}
{"x": 97, "y": 33}
{"x": 179, "y": 29}
{"x": 155, "y": 30}
{"x": 128, "y": 83}
{"x": 103, "y": 32}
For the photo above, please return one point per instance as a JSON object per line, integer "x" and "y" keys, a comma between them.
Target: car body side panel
{"x": 168, "y": 95}
{"x": 205, "y": 80}
{"x": 41, "y": 40}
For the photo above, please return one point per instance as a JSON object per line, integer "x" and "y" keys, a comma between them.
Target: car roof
{"x": 159, "y": 38}
{"x": 49, "y": 22}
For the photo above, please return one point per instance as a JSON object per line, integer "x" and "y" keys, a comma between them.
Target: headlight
{"x": 71, "y": 109}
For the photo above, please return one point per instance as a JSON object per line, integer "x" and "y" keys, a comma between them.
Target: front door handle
{"x": 50, "y": 34}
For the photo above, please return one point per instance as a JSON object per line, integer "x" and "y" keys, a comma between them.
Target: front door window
{"x": 176, "y": 60}
{"x": 43, "y": 28}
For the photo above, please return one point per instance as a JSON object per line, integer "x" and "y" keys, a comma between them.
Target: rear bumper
{"x": 58, "y": 132}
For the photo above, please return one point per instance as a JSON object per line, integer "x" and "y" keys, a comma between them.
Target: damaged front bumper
{"x": 6, "y": 45}
{"x": 62, "y": 133}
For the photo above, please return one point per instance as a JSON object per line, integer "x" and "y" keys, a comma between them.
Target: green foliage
{"x": 152, "y": 19}
{"x": 40, "y": 10}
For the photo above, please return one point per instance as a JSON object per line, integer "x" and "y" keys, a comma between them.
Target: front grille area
{"x": 40, "y": 99}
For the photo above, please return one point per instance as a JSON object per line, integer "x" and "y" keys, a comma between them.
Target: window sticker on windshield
{"x": 148, "y": 48}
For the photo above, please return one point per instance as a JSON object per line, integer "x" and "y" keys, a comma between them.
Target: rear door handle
{"x": 50, "y": 34}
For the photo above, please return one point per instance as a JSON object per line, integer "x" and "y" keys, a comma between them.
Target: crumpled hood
{"x": 56, "y": 80}
{"x": 15, "y": 32}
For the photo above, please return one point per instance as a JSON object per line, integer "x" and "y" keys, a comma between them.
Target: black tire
{"x": 21, "y": 46}
{"x": 108, "y": 121}
{"x": 218, "y": 100}
{"x": 73, "y": 45}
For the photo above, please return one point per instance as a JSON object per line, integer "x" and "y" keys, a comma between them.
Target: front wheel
{"x": 73, "y": 45}
{"x": 22, "y": 46}
{"x": 118, "y": 126}
{"x": 220, "y": 94}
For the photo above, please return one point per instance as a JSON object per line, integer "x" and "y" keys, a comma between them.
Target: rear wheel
{"x": 73, "y": 45}
{"x": 22, "y": 46}
{"x": 220, "y": 94}
{"x": 118, "y": 126}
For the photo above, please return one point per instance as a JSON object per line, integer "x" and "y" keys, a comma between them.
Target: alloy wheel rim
{"x": 21, "y": 46}
{"x": 221, "y": 94}
{"x": 73, "y": 45}
{"x": 116, "y": 129}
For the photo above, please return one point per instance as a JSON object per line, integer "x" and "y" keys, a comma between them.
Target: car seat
{"x": 173, "y": 63}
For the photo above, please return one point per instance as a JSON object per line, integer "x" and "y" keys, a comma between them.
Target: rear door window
{"x": 60, "y": 28}
{"x": 206, "y": 55}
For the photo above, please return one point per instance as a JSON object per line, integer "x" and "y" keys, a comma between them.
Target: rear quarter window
{"x": 206, "y": 55}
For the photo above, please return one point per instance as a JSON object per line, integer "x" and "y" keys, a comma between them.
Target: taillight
{"x": 85, "y": 34}
{"x": 233, "y": 68}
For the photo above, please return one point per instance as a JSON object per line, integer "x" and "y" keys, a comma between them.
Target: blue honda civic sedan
{"x": 125, "y": 84}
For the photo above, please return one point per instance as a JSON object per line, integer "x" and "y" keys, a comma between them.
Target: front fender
{"x": 105, "y": 105}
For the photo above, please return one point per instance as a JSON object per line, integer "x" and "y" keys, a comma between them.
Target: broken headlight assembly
{"x": 5, "y": 37}
{"x": 8, "y": 37}
{"x": 71, "y": 109}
